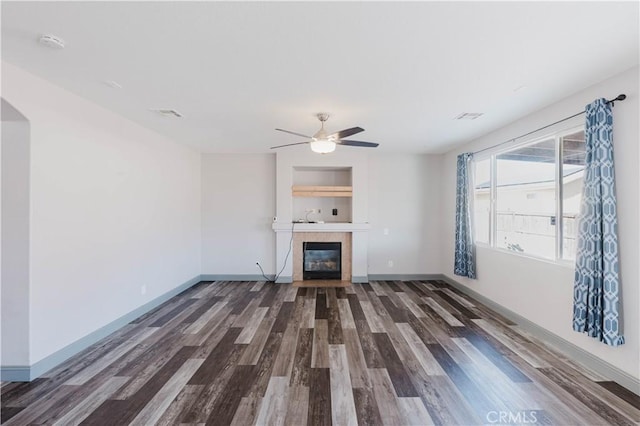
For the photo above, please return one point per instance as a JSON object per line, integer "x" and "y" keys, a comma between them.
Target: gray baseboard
{"x": 575, "y": 352}
{"x": 15, "y": 373}
{"x": 235, "y": 277}
{"x": 244, "y": 277}
{"x": 404, "y": 277}
{"x": 28, "y": 373}
{"x": 354, "y": 279}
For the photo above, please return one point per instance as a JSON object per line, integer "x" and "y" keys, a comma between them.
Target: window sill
{"x": 570, "y": 264}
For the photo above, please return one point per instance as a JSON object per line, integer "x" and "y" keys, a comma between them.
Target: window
{"x": 573, "y": 155}
{"x": 482, "y": 201}
{"x": 521, "y": 194}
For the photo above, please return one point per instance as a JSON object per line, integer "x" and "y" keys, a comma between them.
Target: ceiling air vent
{"x": 113, "y": 84}
{"x": 468, "y": 116}
{"x": 51, "y": 41}
{"x": 167, "y": 112}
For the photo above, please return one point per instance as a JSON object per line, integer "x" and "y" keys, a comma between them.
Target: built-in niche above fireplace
{"x": 321, "y": 260}
{"x": 326, "y": 192}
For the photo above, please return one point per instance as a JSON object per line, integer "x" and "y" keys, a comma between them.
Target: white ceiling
{"x": 402, "y": 71}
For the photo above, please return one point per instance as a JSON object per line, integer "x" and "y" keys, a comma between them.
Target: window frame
{"x": 491, "y": 155}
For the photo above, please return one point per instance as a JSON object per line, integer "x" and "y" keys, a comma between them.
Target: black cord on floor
{"x": 275, "y": 278}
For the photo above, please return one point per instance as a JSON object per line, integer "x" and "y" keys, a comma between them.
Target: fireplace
{"x": 302, "y": 239}
{"x": 322, "y": 261}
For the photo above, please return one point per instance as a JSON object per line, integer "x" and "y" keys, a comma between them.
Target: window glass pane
{"x": 482, "y": 200}
{"x": 526, "y": 199}
{"x": 573, "y": 162}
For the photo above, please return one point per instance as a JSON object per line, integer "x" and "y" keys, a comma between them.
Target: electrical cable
{"x": 275, "y": 278}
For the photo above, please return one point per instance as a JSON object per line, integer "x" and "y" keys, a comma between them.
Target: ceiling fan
{"x": 324, "y": 143}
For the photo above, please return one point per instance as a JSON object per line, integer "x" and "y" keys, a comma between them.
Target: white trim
{"x": 493, "y": 203}
{"x": 559, "y": 197}
{"x": 320, "y": 227}
{"x": 557, "y": 136}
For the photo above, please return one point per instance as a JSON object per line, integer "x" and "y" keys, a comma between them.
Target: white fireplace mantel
{"x": 320, "y": 227}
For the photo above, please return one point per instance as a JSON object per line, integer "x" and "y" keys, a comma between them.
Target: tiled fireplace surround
{"x": 339, "y": 237}
{"x": 354, "y": 235}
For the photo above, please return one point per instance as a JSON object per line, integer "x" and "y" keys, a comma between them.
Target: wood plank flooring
{"x": 388, "y": 352}
{"x": 322, "y": 283}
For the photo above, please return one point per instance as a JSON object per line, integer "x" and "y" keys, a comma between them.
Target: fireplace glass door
{"x": 321, "y": 261}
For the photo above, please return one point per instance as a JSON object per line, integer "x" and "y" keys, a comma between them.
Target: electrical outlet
{"x": 390, "y": 263}
{"x": 385, "y": 231}
{"x": 143, "y": 289}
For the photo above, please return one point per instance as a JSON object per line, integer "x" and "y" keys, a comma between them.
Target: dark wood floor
{"x": 260, "y": 353}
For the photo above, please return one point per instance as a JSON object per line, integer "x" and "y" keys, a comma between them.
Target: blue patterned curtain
{"x": 596, "y": 284}
{"x": 465, "y": 262}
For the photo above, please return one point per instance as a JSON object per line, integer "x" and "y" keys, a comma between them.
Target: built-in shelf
{"x": 321, "y": 191}
{"x": 322, "y": 194}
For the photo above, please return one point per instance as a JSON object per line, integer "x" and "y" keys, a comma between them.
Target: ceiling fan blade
{"x": 357, "y": 143}
{"x": 290, "y": 144}
{"x": 345, "y": 133}
{"x": 294, "y": 133}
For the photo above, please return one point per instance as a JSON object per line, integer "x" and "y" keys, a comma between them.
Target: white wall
{"x": 404, "y": 193}
{"x": 238, "y": 205}
{"x": 541, "y": 291}
{"x": 114, "y": 207}
{"x": 15, "y": 237}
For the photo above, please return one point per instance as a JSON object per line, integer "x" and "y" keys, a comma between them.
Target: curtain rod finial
{"x": 620, "y": 97}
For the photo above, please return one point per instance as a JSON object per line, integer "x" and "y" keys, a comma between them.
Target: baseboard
{"x": 28, "y": 373}
{"x": 575, "y": 352}
{"x": 354, "y": 279}
{"x": 404, "y": 277}
{"x": 233, "y": 277}
{"x": 15, "y": 374}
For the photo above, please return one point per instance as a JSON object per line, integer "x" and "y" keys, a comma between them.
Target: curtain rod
{"x": 620, "y": 97}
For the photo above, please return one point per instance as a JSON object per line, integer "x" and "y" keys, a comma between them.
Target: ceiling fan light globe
{"x": 323, "y": 146}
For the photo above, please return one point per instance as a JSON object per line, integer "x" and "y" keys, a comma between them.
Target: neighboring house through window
{"x": 527, "y": 198}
